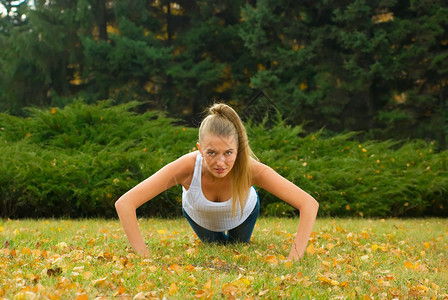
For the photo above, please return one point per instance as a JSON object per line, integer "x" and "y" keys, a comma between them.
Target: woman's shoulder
{"x": 184, "y": 168}
{"x": 187, "y": 161}
{"x": 258, "y": 169}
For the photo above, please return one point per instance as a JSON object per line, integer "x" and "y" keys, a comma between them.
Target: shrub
{"x": 375, "y": 179}
{"x": 77, "y": 161}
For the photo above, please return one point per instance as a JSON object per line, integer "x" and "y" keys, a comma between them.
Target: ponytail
{"x": 222, "y": 120}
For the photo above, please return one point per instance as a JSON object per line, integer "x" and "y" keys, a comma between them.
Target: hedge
{"x": 78, "y": 160}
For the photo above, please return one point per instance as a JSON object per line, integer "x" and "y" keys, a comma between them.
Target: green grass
{"x": 347, "y": 258}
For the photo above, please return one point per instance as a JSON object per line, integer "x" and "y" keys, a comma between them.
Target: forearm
{"x": 307, "y": 218}
{"x": 128, "y": 219}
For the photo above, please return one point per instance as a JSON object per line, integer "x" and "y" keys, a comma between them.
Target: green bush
{"x": 78, "y": 160}
{"x": 375, "y": 179}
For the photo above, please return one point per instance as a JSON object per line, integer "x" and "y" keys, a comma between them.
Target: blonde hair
{"x": 222, "y": 120}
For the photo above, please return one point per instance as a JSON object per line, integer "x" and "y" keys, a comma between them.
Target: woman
{"x": 218, "y": 198}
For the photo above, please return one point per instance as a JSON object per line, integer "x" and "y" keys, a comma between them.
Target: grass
{"x": 346, "y": 258}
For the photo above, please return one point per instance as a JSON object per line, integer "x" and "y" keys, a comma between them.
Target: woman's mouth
{"x": 220, "y": 170}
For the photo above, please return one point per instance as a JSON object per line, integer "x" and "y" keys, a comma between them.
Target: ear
{"x": 199, "y": 146}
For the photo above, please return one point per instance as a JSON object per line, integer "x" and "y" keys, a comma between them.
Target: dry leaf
{"x": 176, "y": 268}
{"x": 140, "y": 296}
{"x": 229, "y": 289}
{"x": 173, "y": 289}
{"x": 310, "y": 250}
{"x": 99, "y": 282}
{"x": 200, "y": 294}
{"x": 121, "y": 290}
{"x": 271, "y": 259}
{"x": 54, "y": 272}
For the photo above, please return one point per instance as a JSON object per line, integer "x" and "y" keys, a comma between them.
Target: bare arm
{"x": 170, "y": 175}
{"x": 269, "y": 180}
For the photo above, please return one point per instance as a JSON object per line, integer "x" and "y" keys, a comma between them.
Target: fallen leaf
{"x": 189, "y": 268}
{"x": 176, "y": 268}
{"x": 99, "y": 282}
{"x": 271, "y": 259}
{"x": 26, "y": 251}
{"x": 54, "y": 272}
{"x": 121, "y": 290}
{"x": 229, "y": 289}
{"x": 6, "y": 244}
{"x": 140, "y": 296}
{"x": 173, "y": 289}
{"x": 200, "y": 294}
{"x": 310, "y": 250}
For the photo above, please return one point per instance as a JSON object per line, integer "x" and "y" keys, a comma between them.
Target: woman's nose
{"x": 220, "y": 159}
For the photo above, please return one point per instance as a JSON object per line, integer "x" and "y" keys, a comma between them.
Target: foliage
{"x": 78, "y": 160}
{"x": 388, "y": 178}
{"x": 353, "y": 259}
{"x": 375, "y": 66}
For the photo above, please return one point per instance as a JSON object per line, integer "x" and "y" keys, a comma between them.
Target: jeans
{"x": 241, "y": 233}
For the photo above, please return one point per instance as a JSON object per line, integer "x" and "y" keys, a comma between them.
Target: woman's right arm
{"x": 170, "y": 175}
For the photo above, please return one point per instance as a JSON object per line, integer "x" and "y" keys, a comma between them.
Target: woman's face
{"x": 219, "y": 153}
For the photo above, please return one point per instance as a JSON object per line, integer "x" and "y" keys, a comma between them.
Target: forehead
{"x": 211, "y": 141}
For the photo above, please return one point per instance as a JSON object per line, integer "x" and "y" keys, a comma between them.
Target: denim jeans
{"x": 241, "y": 233}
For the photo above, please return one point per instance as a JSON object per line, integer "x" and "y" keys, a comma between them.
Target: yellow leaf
{"x": 161, "y": 231}
{"x": 427, "y": 245}
{"x": 140, "y": 296}
{"x": 26, "y": 251}
{"x": 82, "y": 297}
{"x": 229, "y": 289}
{"x": 288, "y": 264}
{"x": 176, "y": 268}
{"x": 200, "y": 294}
{"x": 173, "y": 289}
{"x": 271, "y": 259}
{"x": 310, "y": 250}
{"x": 189, "y": 268}
{"x": 327, "y": 280}
{"x": 408, "y": 265}
{"x": 330, "y": 246}
{"x": 191, "y": 251}
{"x": 61, "y": 245}
{"x": 121, "y": 290}
{"x": 364, "y": 257}
{"x": 152, "y": 268}
{"x": 99, "y": 282}
{"x": 208, "y": 285}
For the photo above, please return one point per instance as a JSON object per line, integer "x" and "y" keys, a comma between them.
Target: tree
{"x": 37, "y": 62}
{"x": 343, "y": 64}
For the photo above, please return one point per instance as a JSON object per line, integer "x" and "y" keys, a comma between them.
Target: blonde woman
{"x": 218, "y": 198}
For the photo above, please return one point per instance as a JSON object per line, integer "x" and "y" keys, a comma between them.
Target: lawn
{"x": 346, "y": 258}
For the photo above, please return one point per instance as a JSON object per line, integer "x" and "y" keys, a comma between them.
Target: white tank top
{"x": 214, "y": 216}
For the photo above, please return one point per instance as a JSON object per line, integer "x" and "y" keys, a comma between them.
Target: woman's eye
{"x": 211, "y": 153}
{"x": 229, "y": 153}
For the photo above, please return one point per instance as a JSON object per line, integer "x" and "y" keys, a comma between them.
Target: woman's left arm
{"x": 269, "y": 180}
